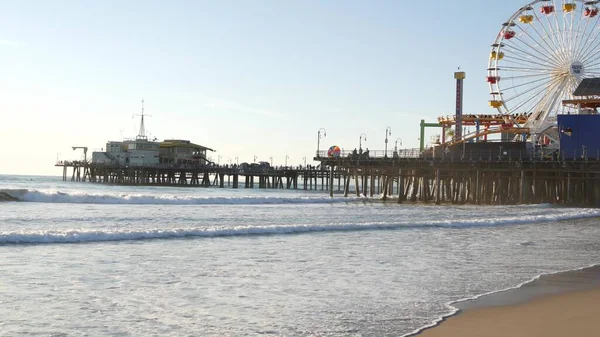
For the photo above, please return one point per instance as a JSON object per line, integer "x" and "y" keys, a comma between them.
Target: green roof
{"x": 169, "y": 143}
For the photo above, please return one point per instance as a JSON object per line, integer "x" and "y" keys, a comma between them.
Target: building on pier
{"x": 178, "y": 151}
{"x": 144, "y": 152}
{"x": 136, "y": 152}
{"x": 578, "y": 130}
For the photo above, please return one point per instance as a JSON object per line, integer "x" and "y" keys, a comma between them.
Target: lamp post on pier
{"x": 304, "y": 158}
{"x": 396, "y": 146}
{"x": 237, "y": 160}
{"x": 271, "y": 158}
{"x": 286, "y": 158}
{"x": 219, "y": 160}
{"x": 319, "y": 139}
{"x": 388, "y": 132}
{"x": 362, "y": 135}
{"x": 255, "y": 158}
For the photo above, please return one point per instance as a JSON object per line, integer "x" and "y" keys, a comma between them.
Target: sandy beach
{"x": 553, "y": 307}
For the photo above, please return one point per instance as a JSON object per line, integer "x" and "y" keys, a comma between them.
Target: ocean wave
{"x": 43, "y": 196}
{"x": 119, "y": 234}
{"x": 11, "y": 195}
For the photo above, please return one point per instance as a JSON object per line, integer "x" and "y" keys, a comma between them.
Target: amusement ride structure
{"x": 539, "y": 57}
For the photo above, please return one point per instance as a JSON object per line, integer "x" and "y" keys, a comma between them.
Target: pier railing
{"x": 467, "y": 155}
{"x": 213, "y": 168}
{"x": 400, "y": 153}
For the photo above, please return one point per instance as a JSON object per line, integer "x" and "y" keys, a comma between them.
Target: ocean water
{"x": 82, "y": 259}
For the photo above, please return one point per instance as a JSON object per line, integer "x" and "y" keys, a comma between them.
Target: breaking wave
{"x": 120, "y": 234}
{"x": 149, "y": 199}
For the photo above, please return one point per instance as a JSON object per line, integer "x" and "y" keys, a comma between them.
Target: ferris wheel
{"x": 540, "y": 56}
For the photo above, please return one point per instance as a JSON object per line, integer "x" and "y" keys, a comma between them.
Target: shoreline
{"x": 555, "y": 286}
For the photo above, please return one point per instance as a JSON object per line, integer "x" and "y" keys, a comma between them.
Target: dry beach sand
{"x": 564, "y": 304}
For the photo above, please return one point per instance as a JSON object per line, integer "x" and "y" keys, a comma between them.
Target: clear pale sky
{"x": 242, "y": 77}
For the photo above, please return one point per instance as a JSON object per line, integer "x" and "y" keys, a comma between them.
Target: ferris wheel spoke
{"x": 523, "y": 84}
{"x": 571, "y": 87}
{"x": 592, "y": 57}
{"x": 523, "y": 106}
{"x": 531, "y": 98}
{"x": 562, "y": 53}
{"x": 567, "y": 29}
{"x": 524, "y": 70}
{"x": 527, "y": 35}
{"x": 524, "y": 61}
{"x": 517, "y": 65}
{"x": 530, "y": 58}
{"x": 546, "y": 47}
{"x": 594, "y": 74}
{"x": 583, "y": 49}
{"x": 575, "y": 33}
{"x": 537, "y": 18}
{"x": 569, "y": 33}
{"x": 559, "y": 27}
{"x": 553, "y": 33}
{"x": 591, "y": 54}
{"x": 580, "y": 38}
{"x": 593, "y": 71}
{"x": 525, "y": 76}
{"x": 554, "y": 46}
{"x": 553, "y": 98}
{"x": 541, "y": 87}
{"x": 545, "y": 106}
{"x": 595, "y": 64}
{"x": 541, "y": 57}
{"x": 514, "y": 66}
{"x": 591, "y": 47}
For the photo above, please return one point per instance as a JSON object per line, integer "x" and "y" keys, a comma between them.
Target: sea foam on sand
{"x": 562, "y": 304}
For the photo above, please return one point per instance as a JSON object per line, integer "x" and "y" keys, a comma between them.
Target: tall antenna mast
{"x": 142, "y": 132}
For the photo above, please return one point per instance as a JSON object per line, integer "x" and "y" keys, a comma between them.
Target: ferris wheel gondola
{"x": 540, "y": 56}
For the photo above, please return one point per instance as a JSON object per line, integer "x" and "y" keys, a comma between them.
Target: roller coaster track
{"x": 472, "y": 135}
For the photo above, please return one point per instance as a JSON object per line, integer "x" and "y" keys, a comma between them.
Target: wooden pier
{"x": 308, "y": 178}
{"x": 493, "y": 179}
{"x": 410, "y": 176}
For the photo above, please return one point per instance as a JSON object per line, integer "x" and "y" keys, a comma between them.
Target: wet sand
{"x": 564, "y": 304}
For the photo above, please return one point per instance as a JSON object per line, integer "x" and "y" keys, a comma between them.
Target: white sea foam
{"x": 119, "y": 234}
{"x": 51, "y": 196}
